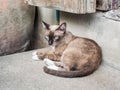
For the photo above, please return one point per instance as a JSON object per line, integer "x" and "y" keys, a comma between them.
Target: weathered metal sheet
{"x": 72, "y": 6}
{"x": 107, "y": 4}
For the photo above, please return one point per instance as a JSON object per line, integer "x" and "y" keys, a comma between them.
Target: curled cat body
{"x": 70, "y": 56}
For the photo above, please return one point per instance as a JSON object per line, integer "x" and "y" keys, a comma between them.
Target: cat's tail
{"x": 69, "y": 74}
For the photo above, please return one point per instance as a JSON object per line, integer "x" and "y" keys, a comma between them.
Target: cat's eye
{"x": 56, "y": 38}
{"x": 47, "y": 37}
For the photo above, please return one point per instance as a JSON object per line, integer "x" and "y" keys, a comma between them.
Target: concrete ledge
{"x": 20, "y": 72}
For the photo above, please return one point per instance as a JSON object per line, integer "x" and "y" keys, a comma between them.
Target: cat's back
{"x": 80, "y": 41}
{"x": 84, "y": 45}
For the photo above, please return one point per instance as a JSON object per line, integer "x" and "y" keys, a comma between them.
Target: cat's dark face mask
{"x": 52, "y": 39}
{"x": 54, "y": 35}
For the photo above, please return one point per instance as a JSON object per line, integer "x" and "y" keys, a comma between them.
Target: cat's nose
{"x": 50, "y": 42}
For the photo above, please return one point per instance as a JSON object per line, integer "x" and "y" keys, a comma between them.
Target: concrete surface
{"x": 20, "y": 72}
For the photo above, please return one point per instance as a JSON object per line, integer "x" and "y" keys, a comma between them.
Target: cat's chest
{"x": 60, "y": 48}
{"x": 53, "y": 48}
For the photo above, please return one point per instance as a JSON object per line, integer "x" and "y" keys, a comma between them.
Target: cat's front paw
{"x": 48, "y": 62}
{"x": 38, "y": 55}
{"x": 34, "y": 53}
{"x": 35, "y": 56}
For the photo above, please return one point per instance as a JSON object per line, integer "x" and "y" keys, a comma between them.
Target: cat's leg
{"x": 50, "y": 64}
{"x": 40, "y": 55}
{"x": 55, "y": 65}
{"x": 68, "y": 60}
{"x": 53, "y": 56}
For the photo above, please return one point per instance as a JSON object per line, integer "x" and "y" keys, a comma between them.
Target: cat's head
{"x": 54, "y": 33}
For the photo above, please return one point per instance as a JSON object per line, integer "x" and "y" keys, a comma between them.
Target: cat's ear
{"x": 62, "y": 27}
{"x": 45, "y": 25}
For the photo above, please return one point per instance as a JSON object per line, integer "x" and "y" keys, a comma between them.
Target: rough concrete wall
{"x": 104, "y": 31}
{"x": 47, "y": 15}
{"x": 16, "y": 25}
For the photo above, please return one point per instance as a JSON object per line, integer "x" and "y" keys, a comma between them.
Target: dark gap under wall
{"x": 35, "y": 30}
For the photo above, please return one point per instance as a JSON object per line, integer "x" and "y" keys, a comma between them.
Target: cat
{"x": 70, "y": 55}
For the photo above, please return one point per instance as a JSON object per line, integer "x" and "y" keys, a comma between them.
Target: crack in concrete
{"x": 112, "y": 66}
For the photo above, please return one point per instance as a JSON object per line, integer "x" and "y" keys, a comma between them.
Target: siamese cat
{"x": 70, "y": 55}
